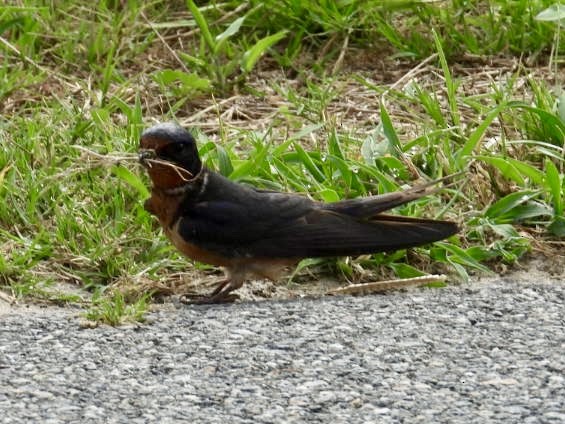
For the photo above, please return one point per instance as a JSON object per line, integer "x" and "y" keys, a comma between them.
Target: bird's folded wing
{"x": 235, "y": 231}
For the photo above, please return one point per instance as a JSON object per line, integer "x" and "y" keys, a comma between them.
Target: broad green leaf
{"x": 230, "y": 31}
{"x": 509, "y": 202}
{"x": 100, "y": 115}
{"x": 480, "y": 253}
{"x": 460, "y": 269}
{"x": 305, "y": 263}
{"x": 459, "y": 255}
{"x": 348, "y": 174}
{"x": 424, "y": 139}
{"x": 438, "y": 253}
{"x": 556, "y": 149}
{"x": 134, "y": 115}
{"x": 505, "y": 167}
{"x": 528, "y": 210}
{"x": 345, "y": 268}
{"x": 403, "y": 270}
{"x": 375, "y": 145}
{"x": 251, "y": 56}
{"x": 329, "y": 195}
{"x": 534, "y": 174}
{"x": 245, "y": 169}
{"x": 307, "y": 130}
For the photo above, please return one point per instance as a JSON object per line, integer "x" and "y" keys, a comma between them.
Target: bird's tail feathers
{"x": 367, "y": 207}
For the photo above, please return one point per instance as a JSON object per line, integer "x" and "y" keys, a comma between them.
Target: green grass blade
{"x": 251, "y": 56}
{"x": 289, "y": 175}
{"x": 131, "y": 179}
{"x": 390, "y": 132}
{"x": 449, "y": 82}
{"x": 308, "y": 163}
{"x": 553, "y": 182}
{"x": 551, "y": 122}
{"x": 477, "y": 135}
{"x": 248, "y": 167}
{"x": 224, "y": 161}
{"x": 202, "y": 24}
{"x": 334, "y": 146}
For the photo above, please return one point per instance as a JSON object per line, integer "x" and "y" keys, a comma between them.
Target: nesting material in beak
{"x": 145, "y": 155}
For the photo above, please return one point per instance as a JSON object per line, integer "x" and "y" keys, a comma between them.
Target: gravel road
{"x": 475, "y": 353}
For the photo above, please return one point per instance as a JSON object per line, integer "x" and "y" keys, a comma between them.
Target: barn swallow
{"x": 258, "y": 233}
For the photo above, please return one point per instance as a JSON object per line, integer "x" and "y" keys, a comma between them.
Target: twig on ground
{"x": 383, "y": 286}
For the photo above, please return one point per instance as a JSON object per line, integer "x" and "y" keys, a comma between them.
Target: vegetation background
{"x": 335, "y": 99}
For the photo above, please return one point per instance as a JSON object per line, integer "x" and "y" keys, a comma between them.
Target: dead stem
{"x": 178, "y": 169}
{"x": 109, "y": 159}
{"x": 383, "y": 286}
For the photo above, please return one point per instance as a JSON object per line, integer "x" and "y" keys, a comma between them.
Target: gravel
{"x": 477, "y": 353}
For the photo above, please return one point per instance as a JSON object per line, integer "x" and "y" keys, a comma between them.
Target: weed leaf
{"x": 251, "y": 56}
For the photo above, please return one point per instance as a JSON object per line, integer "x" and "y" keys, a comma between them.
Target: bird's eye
{"x": 183, "y": 146}
{"x": 173, "y": 150}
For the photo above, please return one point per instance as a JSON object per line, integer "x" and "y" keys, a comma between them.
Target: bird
{"x": 258, "y": 233}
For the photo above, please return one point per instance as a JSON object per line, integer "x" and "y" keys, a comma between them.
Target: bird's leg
{"x": 221, "y": 294}
{"x": 235, "y": 276}
{"x": 221, "y": 285}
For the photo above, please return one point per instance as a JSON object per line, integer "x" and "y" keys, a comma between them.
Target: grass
{"x": 115, "y": 309}
{"x": 333, "y": 99}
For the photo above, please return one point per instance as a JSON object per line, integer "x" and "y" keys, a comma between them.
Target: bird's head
{"x": 170, "y": 155}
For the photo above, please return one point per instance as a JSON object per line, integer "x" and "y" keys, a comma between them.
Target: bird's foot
{"x": 221, "y": 294}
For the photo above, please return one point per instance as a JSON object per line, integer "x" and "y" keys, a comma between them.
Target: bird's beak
{"x": 145, "y": 154}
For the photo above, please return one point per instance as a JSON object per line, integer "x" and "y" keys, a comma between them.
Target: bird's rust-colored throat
{"x": 164, "y": 174}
